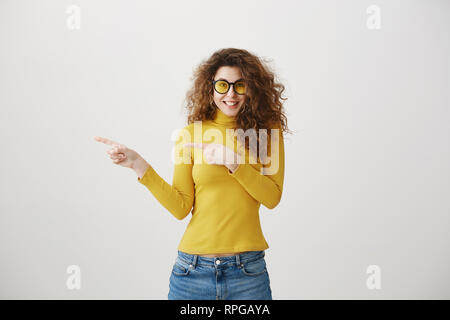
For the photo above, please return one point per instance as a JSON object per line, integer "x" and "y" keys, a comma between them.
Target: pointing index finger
{"x": 105, "y": 141}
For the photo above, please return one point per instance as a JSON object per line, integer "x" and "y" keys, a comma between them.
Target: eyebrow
{"x": 227, "y": 80}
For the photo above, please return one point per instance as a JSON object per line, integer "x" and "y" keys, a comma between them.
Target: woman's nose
{"x": 231, "y": 92}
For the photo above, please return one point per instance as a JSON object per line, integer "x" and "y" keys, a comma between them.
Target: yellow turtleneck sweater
{"x": 225, "y": 215}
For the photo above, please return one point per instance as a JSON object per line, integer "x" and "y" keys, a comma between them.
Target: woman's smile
{"x": 231, "y": 104}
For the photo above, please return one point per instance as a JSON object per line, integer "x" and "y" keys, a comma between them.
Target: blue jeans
{"x": 239, "y": 277}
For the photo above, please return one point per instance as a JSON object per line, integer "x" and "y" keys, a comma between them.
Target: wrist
{"x": 140, "y": 166}
{"x": 232, "y": 167}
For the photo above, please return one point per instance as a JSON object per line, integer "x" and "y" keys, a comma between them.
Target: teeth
{"x": 230, "y": 103}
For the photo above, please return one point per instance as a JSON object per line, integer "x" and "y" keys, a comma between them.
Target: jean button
{"x": 217, "y": 261}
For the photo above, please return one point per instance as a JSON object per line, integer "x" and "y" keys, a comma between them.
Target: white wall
{"x": 367, "y": 170}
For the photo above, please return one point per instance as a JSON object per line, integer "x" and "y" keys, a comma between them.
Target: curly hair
{"x": 264, "y": 102}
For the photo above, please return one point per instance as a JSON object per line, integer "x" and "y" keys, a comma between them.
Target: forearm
{"x": 178, "y": 198}
{"x": 263, "y": 182}
{"x": 266, "y": 190}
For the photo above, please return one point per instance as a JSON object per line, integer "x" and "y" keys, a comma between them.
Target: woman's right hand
{"x": 120, "y": 154}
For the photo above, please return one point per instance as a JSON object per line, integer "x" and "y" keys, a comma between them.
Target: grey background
{"x": 367, "y": 170}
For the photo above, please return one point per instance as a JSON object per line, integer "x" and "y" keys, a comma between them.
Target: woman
{"x": 221, "y": 254}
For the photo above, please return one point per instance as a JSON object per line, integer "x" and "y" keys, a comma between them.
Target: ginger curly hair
{"x": 264, "y": 102}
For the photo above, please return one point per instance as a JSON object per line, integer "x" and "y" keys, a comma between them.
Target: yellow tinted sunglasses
{"x": 222, "y": 86}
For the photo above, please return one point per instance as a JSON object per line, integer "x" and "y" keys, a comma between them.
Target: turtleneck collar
{"x": 223, "y": 120}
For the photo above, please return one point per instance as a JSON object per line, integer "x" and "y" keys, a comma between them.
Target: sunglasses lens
{"x": 240, "y": 87}
{"x": 221, "y": 86}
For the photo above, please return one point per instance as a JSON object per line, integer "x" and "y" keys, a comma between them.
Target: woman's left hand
{"x": 215, "y": 153}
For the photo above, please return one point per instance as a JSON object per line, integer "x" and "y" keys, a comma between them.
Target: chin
{"x": 231, "y": 113}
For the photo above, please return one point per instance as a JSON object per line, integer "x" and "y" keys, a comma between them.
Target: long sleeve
{"x": 178, "y": 198}
{"x": 265, "y": 188}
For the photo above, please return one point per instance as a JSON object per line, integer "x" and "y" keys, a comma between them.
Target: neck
{"x": 224, "y": 120}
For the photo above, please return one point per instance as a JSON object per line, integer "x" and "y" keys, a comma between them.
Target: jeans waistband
{"x": 237, "y": 259}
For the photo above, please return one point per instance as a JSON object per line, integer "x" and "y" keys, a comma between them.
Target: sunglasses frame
{"x": 229, "y": 86}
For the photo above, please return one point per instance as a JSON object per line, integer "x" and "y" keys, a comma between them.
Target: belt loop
{"x": 238, "y": 260}
{"x": 194, "y": 263}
